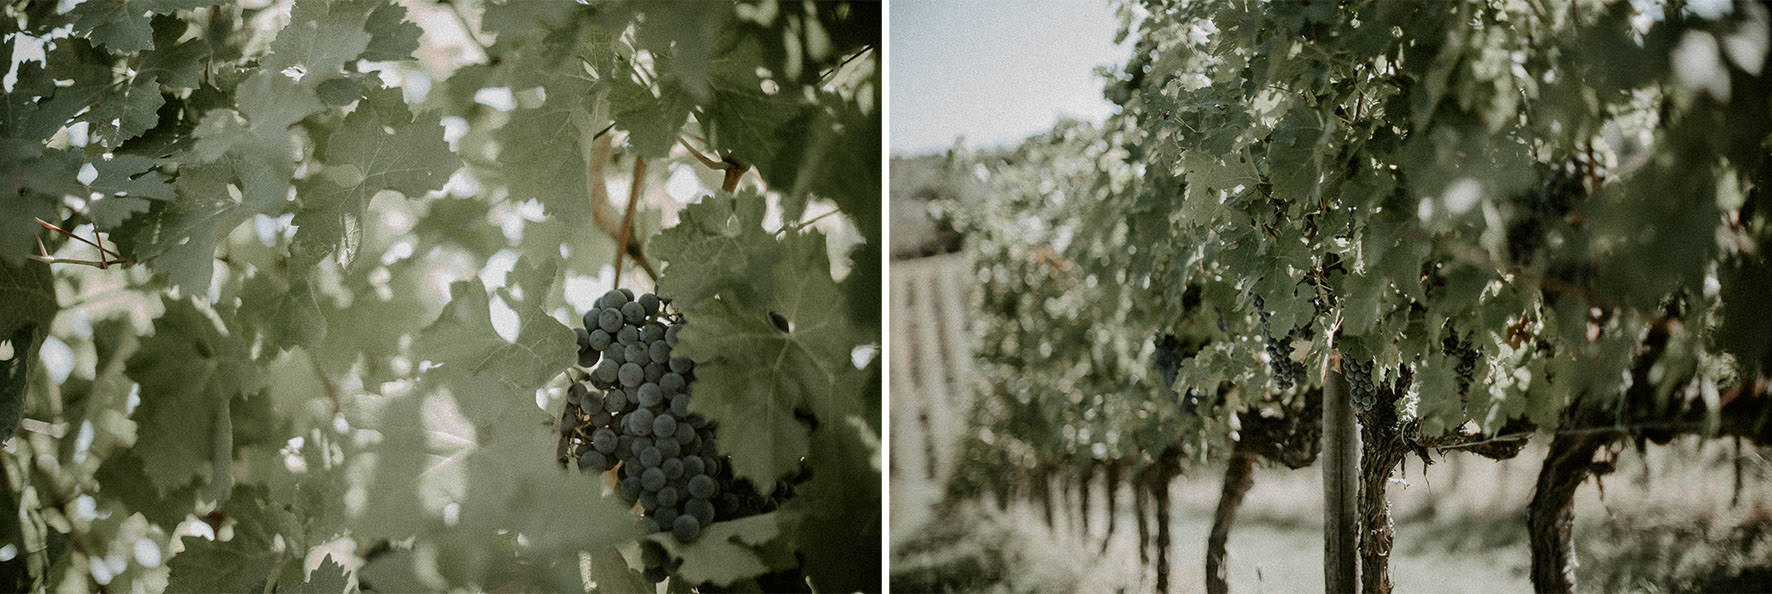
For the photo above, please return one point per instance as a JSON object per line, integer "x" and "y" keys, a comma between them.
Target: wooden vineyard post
{"x": 1341, "y": 472}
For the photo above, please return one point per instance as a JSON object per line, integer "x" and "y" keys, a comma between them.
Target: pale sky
{"x": 995, "y": 71}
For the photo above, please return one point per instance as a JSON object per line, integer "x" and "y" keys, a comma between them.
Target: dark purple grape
{"x": 701, "y": 486}
{"x": 653, "y": 479}
{"x": 664, "y": 425}
{"x": 685, "y": 528}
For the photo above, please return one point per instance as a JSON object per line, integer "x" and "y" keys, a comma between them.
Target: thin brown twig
{"x": 710, "y": 163}
{"x": 101, "y": 248}
{"x": 627, "y": 221}
{"x": 733, "y": 174}
{"x": 102, "y": 264}
{"x": 803, "y": 224}
{"x": 601, "y": 148}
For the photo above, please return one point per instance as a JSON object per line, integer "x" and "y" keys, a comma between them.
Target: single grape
{"x": 670, "y": 447}
{"x": 614, "y": 298}
{"x": 633, "y": 313}
{"x": 664, "y": 425}
{"x": 670, "y": 335}
{"x": 682, "y": 365}
{"x": 665, "y": 515}
{"x": 631, "y": 489}
{"x": 576, "y": 393}
{"x": 686, "y": 528}
{"x": 584, "y": 338}
{"x": 627, "y": 335}
{"x": 653, "y": 479}
{"x": 600, "y": 340}
{"x": 692, "y": 447}
{"x": 648, "y": 500}
{"x": 627, "y": 294}
{"x": 651, "y": 457}
{"x": 667, "y": 497}
{"x": 650, "y": 395}
{"x": 605, "y": 441}
{"x": 655, "y": 372}
{"x": 680, "y": 406}
{"x": 672, "y": 383}
{"x": 618, "y": 355}
{"x": 636, "y": 353}
{"x": 702, "y": 509}
{"x": 659, "y": 352}
{"x": 650, "y": 303}
{"x": 593, "y": 461}
{"x": 640, "y": 422}
{"x": 604, "y": 375}
{"x": 601, "y": 418}
{"x": 631, "y": 375}
{"x": 615, "y": 400}
{"x": 639, "y": 445}
{"x": 701, "y": 486}
{"x": 673, "y": 468}
{"x": 609, "y": 320}
{"x": 692, "y": 465}
{"x": 652, "y": 332}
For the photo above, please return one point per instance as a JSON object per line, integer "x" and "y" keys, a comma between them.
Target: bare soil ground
{"x": 1667, "y": 521}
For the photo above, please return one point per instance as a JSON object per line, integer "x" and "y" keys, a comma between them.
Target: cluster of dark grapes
{"x": 1462, "y": 350}
{"x": 1362, "y": 391}
{"x": 631, "y": 414}
{"x": 1279, "y": 352}
{"x": 1167, "y": 357}
{"x": 635, "y": 415}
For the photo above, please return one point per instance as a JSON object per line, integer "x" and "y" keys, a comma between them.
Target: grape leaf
{"x": 328, "y": 578}
{"x": 122, "y": 25}
{"x": 127, "y": 113}
{"x": 32, "y": 180}
{"x": 27, "y": 306}
{"x": 322, "y": 35}
{"x": 757, "y": 376}
{"x": 392, "y": 507}
{"x": 174, "y": 64}
{"x": 272, "y": 103}
{"x": 247, "y": 561}
{"x": 180, "y": 236}
{"x": 652, "y": 122}
{"x": 283, "y": 311}
{"x": 393, "y": 38}
{"x": 127, "y": 182}
{"x": 373, "y": 326}
{"x": 511, "y": 488}
{"x": 125, "y": 479}
{"x": 541, "y": 150}
{"x": 412, "y": 160}
{"x": 188, "y": 370}
{"x": 732, "y": 550}
{"x": 463, "y": 343}
{"x": 717, "y": 247}
{"x": 380, "y": 146}
{"x": 1440, "y": 407}
{"x": 842, "y": 547}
